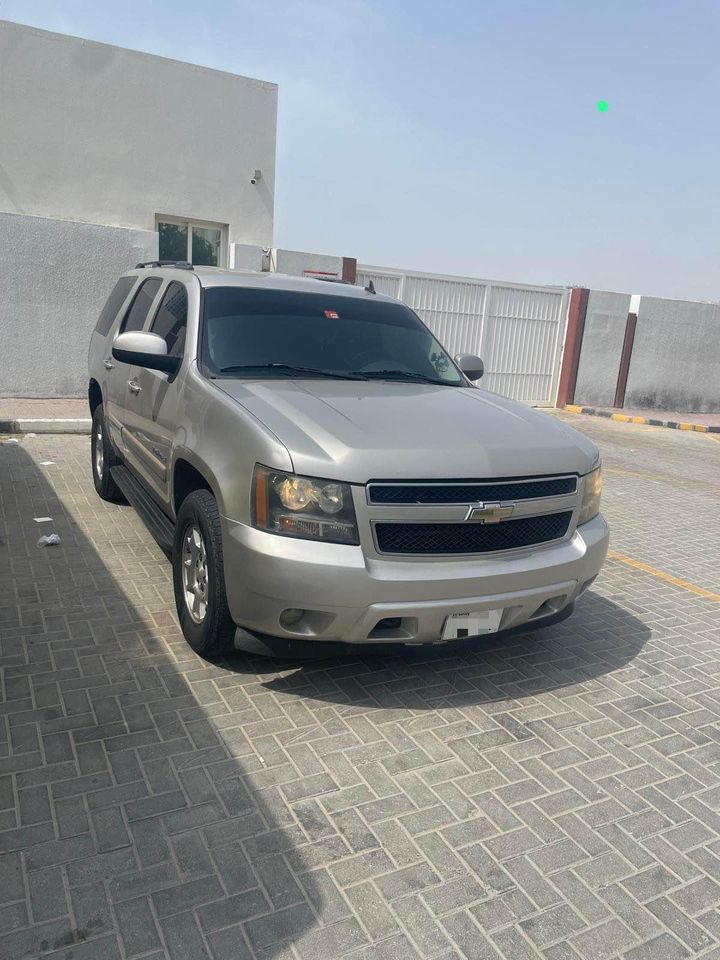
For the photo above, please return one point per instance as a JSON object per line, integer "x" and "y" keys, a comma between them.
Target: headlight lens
{"x": 293, "y": 506}
{"x": 592, "y": 488}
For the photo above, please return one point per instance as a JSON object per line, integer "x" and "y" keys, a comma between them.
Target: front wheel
{"x": 199, "y": 578}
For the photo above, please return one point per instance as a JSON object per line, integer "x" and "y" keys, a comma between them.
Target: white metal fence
{"x": 518, "y": 330}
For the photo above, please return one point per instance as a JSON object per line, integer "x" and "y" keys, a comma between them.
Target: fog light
{"x": 291, "y": 616}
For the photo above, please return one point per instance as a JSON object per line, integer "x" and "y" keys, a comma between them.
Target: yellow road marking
{"x": 661, "y": 575}
{"x": 625, "y": 418}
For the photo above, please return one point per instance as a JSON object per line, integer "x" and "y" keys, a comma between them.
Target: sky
{"x": 463, "y": 136}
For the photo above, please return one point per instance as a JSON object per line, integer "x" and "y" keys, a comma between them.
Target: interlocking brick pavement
{"x": 554, "y": 795}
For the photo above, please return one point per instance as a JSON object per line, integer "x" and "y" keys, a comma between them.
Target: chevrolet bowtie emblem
{"x": 488, "y": 512}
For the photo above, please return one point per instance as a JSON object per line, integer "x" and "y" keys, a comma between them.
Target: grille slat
{"x": 409, "y": 493}
{"x": 449, "y": 538}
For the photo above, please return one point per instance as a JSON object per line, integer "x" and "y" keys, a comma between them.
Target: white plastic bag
{"x": 51, "y": 540}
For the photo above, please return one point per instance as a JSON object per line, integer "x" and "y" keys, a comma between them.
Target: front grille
{"x": 471, "y": 492}
{"x": 434, "y": 538}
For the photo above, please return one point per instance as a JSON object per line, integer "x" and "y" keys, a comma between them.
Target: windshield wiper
{"x": 405, "y": 375}
{"x": 290, "y": 368}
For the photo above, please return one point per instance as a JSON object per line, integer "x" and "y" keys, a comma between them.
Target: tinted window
{"x": 361, "y": 336}
{"x": 171, "y": 319}
{"x": 114, "y": 302}
{"x": 206, "y": 243}
{"x": 173, "y": 241}
{"x": 136, "y": 315}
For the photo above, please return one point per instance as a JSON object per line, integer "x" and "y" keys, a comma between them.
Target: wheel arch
{"x": 95, "y": 397}
{"x": 188, "y": 474}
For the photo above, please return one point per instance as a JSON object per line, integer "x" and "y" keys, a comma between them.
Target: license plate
{"x": 471, "y": 624}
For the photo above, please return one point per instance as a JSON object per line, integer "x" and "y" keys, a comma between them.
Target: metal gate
{"x": 518, "y": 330}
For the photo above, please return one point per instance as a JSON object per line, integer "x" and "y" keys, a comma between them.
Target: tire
{"x": 103, "y": 458}
{"x": 199, "y": 577}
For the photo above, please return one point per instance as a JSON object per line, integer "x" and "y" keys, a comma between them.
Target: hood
{"x": 358, "y": 431}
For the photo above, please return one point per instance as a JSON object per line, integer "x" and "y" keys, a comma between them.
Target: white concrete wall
{"x": 246, "y": 257}
{"x": 602, "y": 345}
{"x": 676, "y": 357}
{"x": 95, "y": 133}
{"x": 296, "y": 262}
{"x": 55, "y": 277}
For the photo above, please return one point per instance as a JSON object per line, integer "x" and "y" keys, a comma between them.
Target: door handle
{"x": 108, "y": 364}
{"x": 134, "y": 386}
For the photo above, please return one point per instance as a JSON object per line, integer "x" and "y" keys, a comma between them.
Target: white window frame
{"x": 203, "y": 224}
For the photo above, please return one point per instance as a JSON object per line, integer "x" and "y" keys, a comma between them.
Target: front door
{"x": 151, "y": 410}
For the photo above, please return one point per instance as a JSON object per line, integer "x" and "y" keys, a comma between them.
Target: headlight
{"x": 293, "y": 506}
{"x": 592, "y": 488}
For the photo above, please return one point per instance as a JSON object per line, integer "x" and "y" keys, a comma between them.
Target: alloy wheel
{"x": 195, "y": 573}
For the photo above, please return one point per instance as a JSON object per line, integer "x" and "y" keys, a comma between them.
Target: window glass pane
{"x": 171, "y": 319}
{"x": 136, "y": 315}
{"x": 114, "y": 302}
{"x": 206, "y": 246}
{"x": 246, "y": 326}
{"x": 173, "y": 241}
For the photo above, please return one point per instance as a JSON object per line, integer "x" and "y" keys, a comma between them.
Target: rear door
{"x": 102, "y": 365}
{"x": 120, "y": 375}
{"x": 151, "y": 411}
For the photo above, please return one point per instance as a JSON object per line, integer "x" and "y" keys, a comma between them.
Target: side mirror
{"x": 141, "y": 349}
{"x": 470, "y": 365}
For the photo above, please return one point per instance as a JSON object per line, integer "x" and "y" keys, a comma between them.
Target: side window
{"x": 171, "y": 318}
{"x": 136, "y": 315}
{"x": 114, "y": 302}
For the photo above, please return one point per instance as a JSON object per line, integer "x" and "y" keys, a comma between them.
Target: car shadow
{"x": 148, "y": 804}
{"x": 600, "y": 637}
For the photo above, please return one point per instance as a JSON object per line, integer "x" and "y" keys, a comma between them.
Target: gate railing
{"x": 517, "y": 329}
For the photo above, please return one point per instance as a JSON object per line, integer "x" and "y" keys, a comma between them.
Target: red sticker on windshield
{"x": 331, "y": 314}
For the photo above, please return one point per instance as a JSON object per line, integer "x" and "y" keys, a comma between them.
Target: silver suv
{"x": 322, "y": 470}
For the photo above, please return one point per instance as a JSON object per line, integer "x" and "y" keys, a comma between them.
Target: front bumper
{"x": 345, "y": 594}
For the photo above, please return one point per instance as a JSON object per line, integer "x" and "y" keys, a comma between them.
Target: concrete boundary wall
{"x": 55, "y": 276}
{"x": 672, "y": 358}
{"x": 602, "y": 343}
{"x": 675, "y": 363}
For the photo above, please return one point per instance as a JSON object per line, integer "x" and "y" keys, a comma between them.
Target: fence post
{"x": 349, "y": 269}
{"x": 577, "y": 311}
{"x": 625, "y": 356}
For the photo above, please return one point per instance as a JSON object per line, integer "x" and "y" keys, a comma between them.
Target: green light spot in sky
{"x": 603, "y": 106}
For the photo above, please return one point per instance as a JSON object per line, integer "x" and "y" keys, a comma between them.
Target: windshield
{"x": 280, "y": 333}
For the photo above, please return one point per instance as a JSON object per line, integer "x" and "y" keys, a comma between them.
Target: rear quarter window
{"x": 111, "y": 309}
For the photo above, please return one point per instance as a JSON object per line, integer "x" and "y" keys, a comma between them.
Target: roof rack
{"x": 178, "y": 264}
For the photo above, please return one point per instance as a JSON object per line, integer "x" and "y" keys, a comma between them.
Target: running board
{"x": 160, "y": 526}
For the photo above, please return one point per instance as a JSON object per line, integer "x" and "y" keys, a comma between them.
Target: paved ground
{"x": 553, "y": 796}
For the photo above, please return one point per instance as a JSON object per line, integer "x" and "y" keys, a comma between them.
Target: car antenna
{"x": 370, "y": 288}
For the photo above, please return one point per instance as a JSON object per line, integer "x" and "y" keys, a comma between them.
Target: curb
{"x": 46, "y": 425}
{"x": 648, "y": 421}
